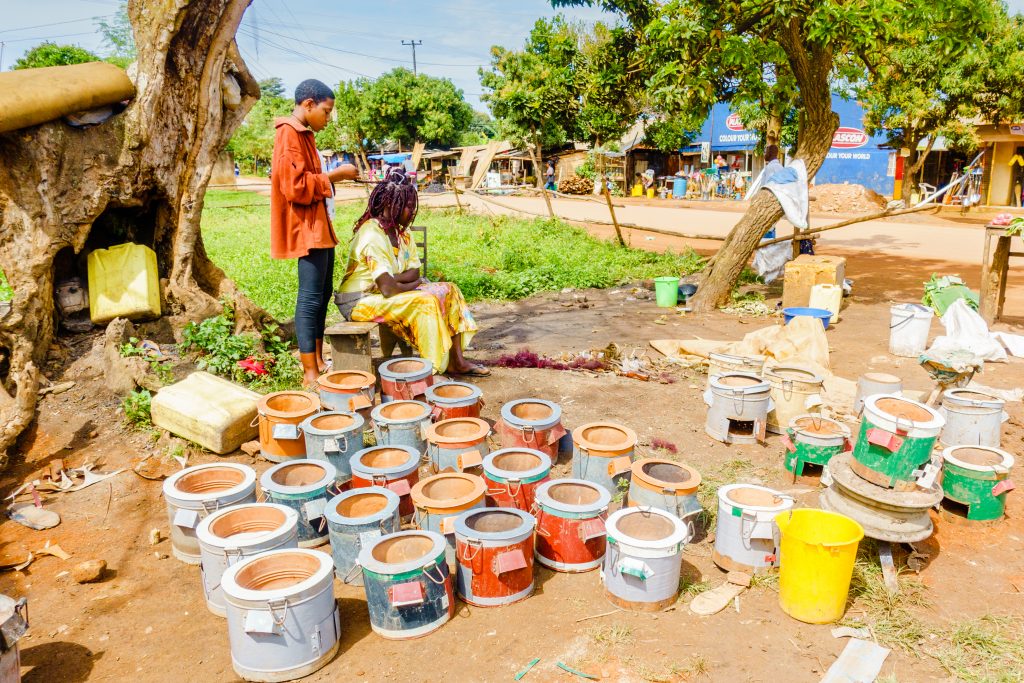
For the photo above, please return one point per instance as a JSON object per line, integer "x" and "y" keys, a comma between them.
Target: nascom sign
{"x": 733, "y": 122}
{"x": 849, "y": 138}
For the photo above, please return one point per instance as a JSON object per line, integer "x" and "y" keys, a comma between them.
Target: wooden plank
{"x": 892, "y": 583}
{"x": 466, "y": 159}
{"x": 347, "y": 327}
{"x": 483, "y": 163}
{"x": 417, "y": 152}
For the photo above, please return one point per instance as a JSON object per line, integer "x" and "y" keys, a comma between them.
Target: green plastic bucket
{"x": 666, "y": 291}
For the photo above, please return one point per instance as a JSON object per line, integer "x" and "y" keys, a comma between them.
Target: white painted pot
{"x": 198, "y": 491}
{"x": 283, "y": 620}
{"x": 745, "y": 529}
{"x": 229, "y": 536}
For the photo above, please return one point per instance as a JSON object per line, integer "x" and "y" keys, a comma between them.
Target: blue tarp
{"x": 391, "y": 158}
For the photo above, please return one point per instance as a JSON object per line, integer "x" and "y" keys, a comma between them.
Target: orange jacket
{"x": 298, "y": 188}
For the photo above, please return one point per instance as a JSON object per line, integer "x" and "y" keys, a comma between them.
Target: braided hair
{"x": 389, "y": 200}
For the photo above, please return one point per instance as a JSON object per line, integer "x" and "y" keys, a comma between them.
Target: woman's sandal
{"x": 476, "y": 371}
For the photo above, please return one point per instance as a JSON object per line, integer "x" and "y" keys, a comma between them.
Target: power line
{"x": 297, "y": 53}
{"x": 56, "y": 23}
{"x": 363, "y": 54}
{"x": 48, "y": 38}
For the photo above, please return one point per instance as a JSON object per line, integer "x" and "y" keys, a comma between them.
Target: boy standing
{"x": 300, "y": 225}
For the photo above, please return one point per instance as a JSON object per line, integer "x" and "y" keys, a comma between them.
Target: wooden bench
{"x": 351, "y": 343}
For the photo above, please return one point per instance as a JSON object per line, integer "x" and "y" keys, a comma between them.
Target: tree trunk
{"x": 140, "y": 176}
{"x": 535, "y": 155}
{"x": 811, "y": 66}
{"x": 913, "y": 164}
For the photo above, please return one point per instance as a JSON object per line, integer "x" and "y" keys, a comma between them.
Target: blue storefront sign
{"x": 855, "y": 157}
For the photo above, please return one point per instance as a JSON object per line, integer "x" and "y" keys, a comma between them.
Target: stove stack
{"x": 888, "y": 482}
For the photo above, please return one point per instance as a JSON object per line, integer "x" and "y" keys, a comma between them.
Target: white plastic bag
{"x": 966, "y": 330}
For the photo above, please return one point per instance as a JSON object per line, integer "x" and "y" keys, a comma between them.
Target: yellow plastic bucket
{"x": 816, "y": 559}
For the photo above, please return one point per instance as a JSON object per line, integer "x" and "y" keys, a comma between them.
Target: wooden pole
{"x": 455, "y": 188}
{"x": 611, "y": 210}
{"x": 842, "y": 224}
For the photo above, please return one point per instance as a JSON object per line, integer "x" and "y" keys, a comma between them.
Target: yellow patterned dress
{"x": 427, "y": 317}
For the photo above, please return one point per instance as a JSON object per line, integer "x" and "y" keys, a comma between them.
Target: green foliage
{"x": 272, "y": 87}
{"x": 219, "y": 350}
{"x": 983, "y": 650}
{"x": 161, "y": 367}
{"x": 6, "y": 292}
{"x": 52, "y": 54}
{"x": 118, "y": 37}
{"x": 135, "y": 407}
{"x": 488, "y": 257}
{"x": 565, "y": 84}
{"x": 253, "y": 142}
{"x": 922, "y": 89}
{"x": 1016, "y": 227}
{"x": 405, "y": 107}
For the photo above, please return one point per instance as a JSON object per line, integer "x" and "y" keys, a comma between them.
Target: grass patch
{"x": 707, "y": 492}
{"x": 616, "y": 635}
{"x": 688, "y": 588}
{"x": 6, "y": 293}
{"x": 989, "y": 648}
{"x": 890, "y": 617}
{"x": 768, "y": 580}
{"x": 489, "y": 257}
{"x": 135, "y": 406}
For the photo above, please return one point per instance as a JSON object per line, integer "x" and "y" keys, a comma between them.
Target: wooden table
{"x": 995, "y": 268}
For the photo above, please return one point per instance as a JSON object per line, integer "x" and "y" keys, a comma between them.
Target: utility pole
{"x": 413, "y": 44}
{"x": 2, "y": 55}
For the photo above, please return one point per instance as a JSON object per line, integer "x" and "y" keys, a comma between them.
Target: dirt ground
{"x": 147, "y": 620}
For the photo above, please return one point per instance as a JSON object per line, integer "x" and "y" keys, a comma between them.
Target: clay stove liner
{"x": 739, "y": 381}
{"x": 384, "y": 458}
{"x": 530, "y": 411}
{"x": 332, "y": 423}
{"x": 448, "y": 490}
{"x": 516, "y": 461}
{"x": 299, "y": 474}
{"x": 793, "y": 374}
{"x": 752, "y": 497}
{"x": 821, "y": 427}
{"x": 350, "y": 380}
{"x": 574, "y": 494}
{"x": 978, "y": 457}
{"x": 965, "y": 395}
{"x": 406, "y": 367}
{"x": 881, "y": 378}
{"x": 666, "y": 474}
{"x": 403, "y": 410}
{"x": 494, "y": 522}
{"x": 210, "y": 480}
{"x": 644, "y": 526}
{"x": 277, "y": 571}
{"x": 247, "y": 520}
{"x": 458, "y": 430}
{"x": 289, "y": 404}
{"x": 452, "y": 392}
{"x": 603, "y": 437}
{"x": 402, "y": 549}
{"x": 904, "y": 410}
{"x": 362, "y": 505}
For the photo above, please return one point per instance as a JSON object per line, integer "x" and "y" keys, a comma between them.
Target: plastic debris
{"x": 526, "y": 669}
{"x": 574, "y": 672}
{"x": 860, "y": 662}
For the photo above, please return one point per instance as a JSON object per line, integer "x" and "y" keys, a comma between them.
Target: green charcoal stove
{"x": 978, "y": 477}
{"x": 814, "y": 439}
{"x": 896, "y": 439}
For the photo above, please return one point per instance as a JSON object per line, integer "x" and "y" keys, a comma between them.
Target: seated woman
{"x": 382, "y": 282}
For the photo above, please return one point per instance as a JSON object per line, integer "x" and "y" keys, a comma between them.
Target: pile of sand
{"x": 845, "y": 199}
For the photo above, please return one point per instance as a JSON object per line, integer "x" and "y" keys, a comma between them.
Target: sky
{"x": 299, "y": 39}
{"x": 331, "y": 41}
